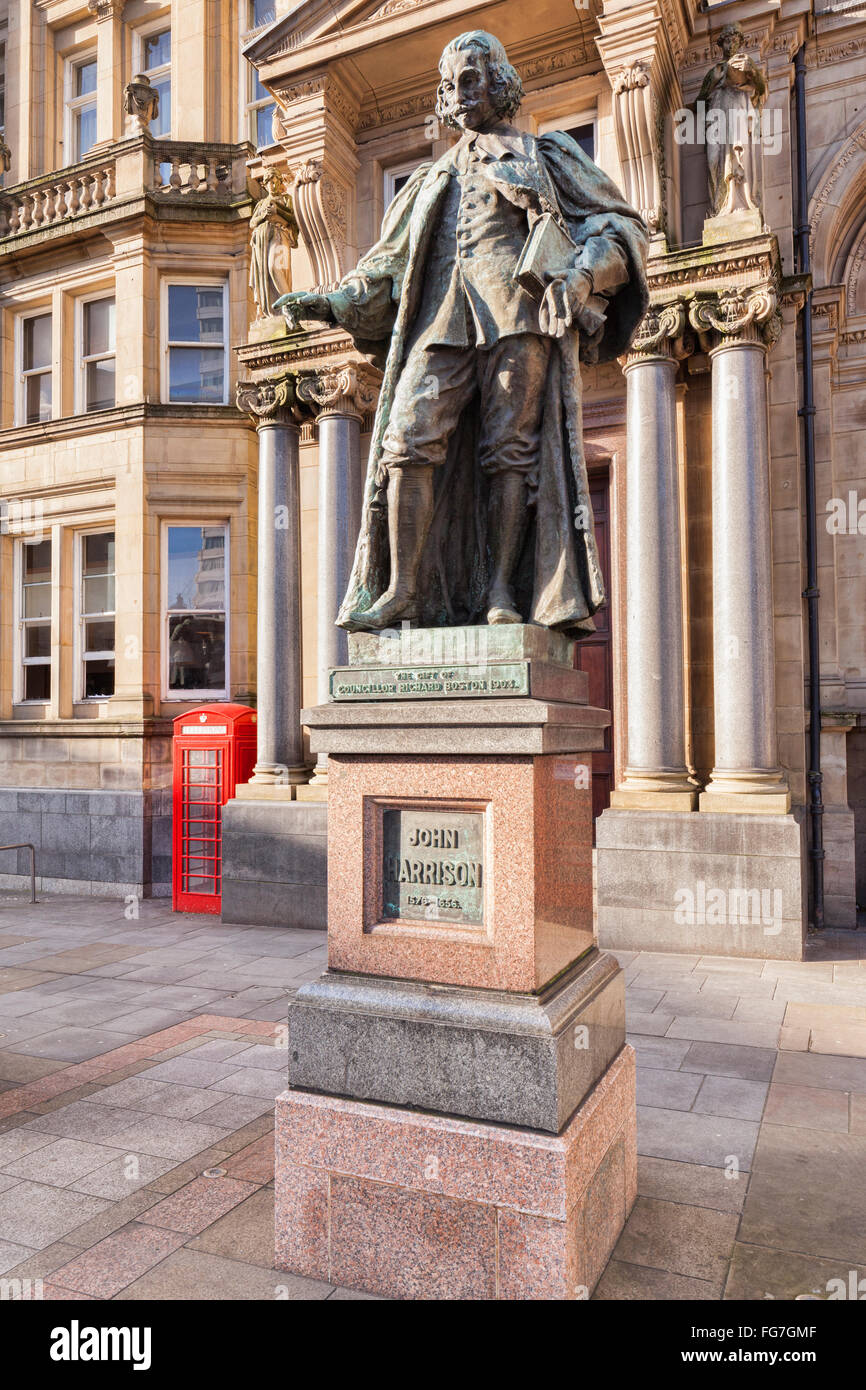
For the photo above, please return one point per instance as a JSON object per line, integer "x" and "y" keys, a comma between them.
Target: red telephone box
{"x": 214, "y": 750}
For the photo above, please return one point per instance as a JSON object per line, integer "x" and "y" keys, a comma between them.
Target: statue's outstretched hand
{"x": 302, "y": 305}
{"x": 562, "y": 299}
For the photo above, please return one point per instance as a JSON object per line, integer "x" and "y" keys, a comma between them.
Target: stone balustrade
{"x": 57, "y": 198}
{"x": 196, "y": 169}
{"x": 161, "y": 169}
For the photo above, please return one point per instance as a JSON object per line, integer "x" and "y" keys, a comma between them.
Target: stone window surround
{"x": 73, "y": 105}
{"x": 78, "y": 640}
{"x": 65, "y": 305}
{"x": 206, "y": 281}
{"x": 186, "y": 697}
{"x": 580, "y": 116}
{"x": 33, "y": 311}
{"x": 37, "y": 707}
{"x": 81, "y": 301}
{"x": 138, "y": 34}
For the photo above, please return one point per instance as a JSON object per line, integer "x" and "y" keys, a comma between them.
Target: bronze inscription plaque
{"x": 433, "y": 866}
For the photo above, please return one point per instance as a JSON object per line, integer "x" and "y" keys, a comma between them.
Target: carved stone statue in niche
{"x": 500, "y": 266}
{"x": 273, "y": 234}
{"x": 734, "y": 92}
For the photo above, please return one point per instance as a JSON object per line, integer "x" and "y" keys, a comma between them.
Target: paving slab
{"x": 166, "y": 1137}
{"x": 706, "y": 1139}
{"x": 122, "y": 1175}
{"x": 664, "y": 1053}
{"x": 731, "y": 1096}
{"x": 808, "y": 1107}
{"x": 61, "y": 1162}
{"x": 758, "y": 1274}
{"x": 246, "y": 1233}
{"x": 807, "y": 1193}
{"x": 194, "y": 1275}
{"x": 669, "y": 1090}
{"x": 730, "y": 1059}
{"x": 629, "y": 1283}
{"x": 694, "y": 1241}
{"x": 691, "y": 1184}
{"x": 720, "y": 1030}
{"x": 198, "y": 1204}
{"x": 830, "y": 1073}
{"x": 108, "y": 1267}
{"x": 36, "y": 1215}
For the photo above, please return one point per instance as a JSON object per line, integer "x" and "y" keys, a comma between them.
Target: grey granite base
{"x": 711, "y": 883}
{"x": 275, "y": 863}
{"x": 516, "y": 1058}
{"x": 100, "y": 843}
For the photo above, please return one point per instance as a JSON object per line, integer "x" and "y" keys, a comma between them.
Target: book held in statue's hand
{"x": 549, "y": 252}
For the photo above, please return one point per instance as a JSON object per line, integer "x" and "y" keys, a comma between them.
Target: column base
{"x": 657, "y": 790}
{"x": 636, "y": 799}
{"x": 416, "y": 1206}
{"x": 750, "y": 792}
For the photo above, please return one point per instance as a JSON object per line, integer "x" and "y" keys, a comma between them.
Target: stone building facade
{"x": 696, "y": 448}
{"x": 696, "y": 442}
{"x": 127, "y": 553}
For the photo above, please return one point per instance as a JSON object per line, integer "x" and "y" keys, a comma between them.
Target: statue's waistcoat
{"x": 469, "y": 295}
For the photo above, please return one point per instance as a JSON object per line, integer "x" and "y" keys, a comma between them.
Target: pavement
{"x": 140, "y": 1056}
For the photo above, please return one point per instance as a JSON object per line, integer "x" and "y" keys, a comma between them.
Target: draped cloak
{"x": 558, "y": 582}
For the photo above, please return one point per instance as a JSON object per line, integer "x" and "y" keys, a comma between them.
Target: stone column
{"x": 656, "y": 774}
{"x": 738, "y": 327}
{"x": 342, "y": 394}
{"x": 280, "y": 753}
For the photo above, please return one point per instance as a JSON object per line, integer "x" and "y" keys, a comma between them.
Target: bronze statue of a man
{"x": 476, "y": 505}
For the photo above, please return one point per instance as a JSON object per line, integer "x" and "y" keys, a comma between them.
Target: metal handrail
{"x": 32, "y": 849}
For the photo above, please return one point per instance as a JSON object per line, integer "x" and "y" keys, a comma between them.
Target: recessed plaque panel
{"x": 433, "y": 866}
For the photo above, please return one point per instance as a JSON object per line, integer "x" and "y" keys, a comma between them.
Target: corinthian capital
{"x": 738, "y": 315}
{"x": 106, "y": 9}
{"x": 661, "y": 328}
{"x": 350, "y": 389}
{"x": 270, "y": 402}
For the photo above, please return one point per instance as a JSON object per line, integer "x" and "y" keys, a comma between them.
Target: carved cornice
{"x": 665, "y": 274}
{"x": 737, "y": 315}
{"x": 271, "y": 401}
{"x": 820, "y": 56}
{"x": 349, "y": 389}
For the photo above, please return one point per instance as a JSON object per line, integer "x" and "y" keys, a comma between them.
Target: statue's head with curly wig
{"x": 477, "y": 83}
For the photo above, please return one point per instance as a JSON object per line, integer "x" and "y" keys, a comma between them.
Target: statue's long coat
{"x": 559, "y": 582}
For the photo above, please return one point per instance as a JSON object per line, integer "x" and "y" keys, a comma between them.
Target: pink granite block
{"x": 601, "y": 1212}
{"x": 301, "y": 1219}
{"x": 411, "y": 1245}
{"x": 538, "y": 1258}
{"x": 198, "y": 1204}
{"x": 538, "y": 869}
{"x": 108, "y": 1267}
{"x": 367, "y": 1194}
{"x": 417, "y": 1151}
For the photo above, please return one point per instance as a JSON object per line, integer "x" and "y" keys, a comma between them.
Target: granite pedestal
{"x": 460, "y": 1117}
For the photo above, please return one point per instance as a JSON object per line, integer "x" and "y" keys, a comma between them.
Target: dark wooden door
{"x": 595, "y": 653}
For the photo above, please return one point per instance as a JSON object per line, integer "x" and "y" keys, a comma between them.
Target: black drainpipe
{"x": 811, "y": 592}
